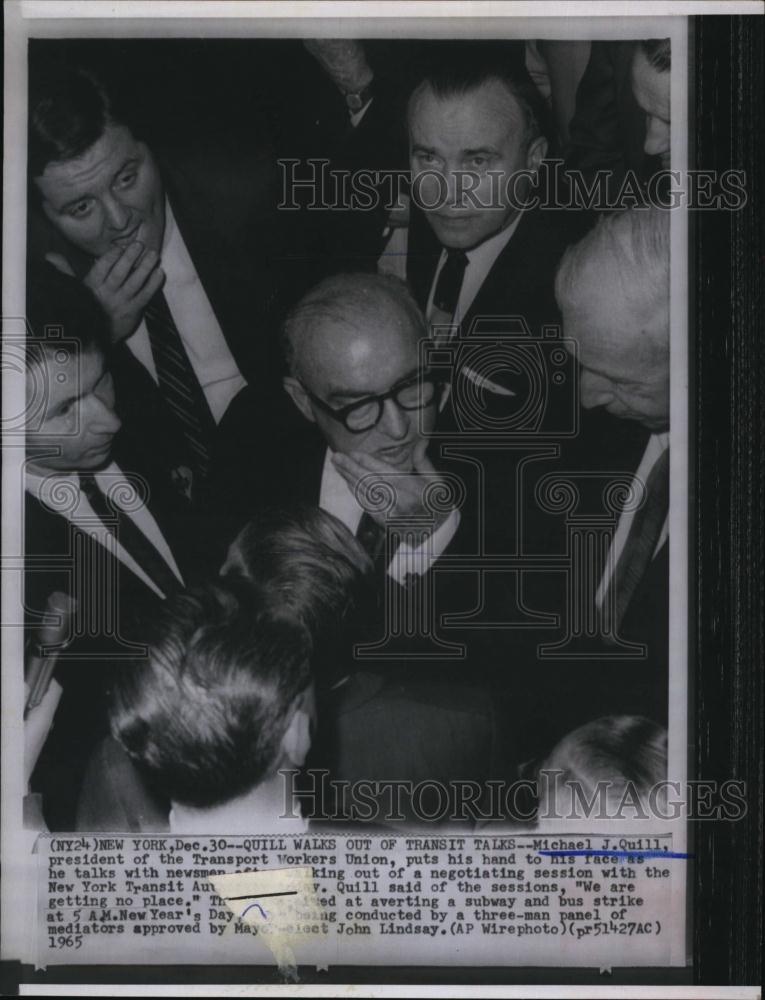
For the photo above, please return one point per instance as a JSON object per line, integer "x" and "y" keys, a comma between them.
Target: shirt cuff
{"x": 418, "y": 561}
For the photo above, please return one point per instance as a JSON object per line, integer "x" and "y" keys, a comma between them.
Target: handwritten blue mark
{"x": 603, "y": 852}
{"x": 262, "y": 911}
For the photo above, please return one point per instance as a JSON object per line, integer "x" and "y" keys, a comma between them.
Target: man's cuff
{"x": 418, "y": 561}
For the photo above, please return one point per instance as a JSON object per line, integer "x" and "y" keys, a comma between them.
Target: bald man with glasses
{"x": 353, "y": 352}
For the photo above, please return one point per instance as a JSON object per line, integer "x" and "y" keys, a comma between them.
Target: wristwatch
{"x": 356, "y": 101}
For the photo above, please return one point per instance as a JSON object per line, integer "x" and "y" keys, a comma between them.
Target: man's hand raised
{"x": 409, "y": 490}
{"x": 124, "y": 280}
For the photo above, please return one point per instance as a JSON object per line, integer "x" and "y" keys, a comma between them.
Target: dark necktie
{"x": 449, "y": 282}
{"x": 371, "y": 536}
{"x": 178, "y": 383}
{"x": 641, "y": 543}
{"x": 129, "y": 535}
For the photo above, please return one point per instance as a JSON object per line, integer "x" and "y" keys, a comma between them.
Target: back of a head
{"x": 205, "y": 714}
{"x": 349, "y": 300}
{"x": 304, "y": 563}
{"x": 625, "y": 256}
{"x": 628, "y": 753}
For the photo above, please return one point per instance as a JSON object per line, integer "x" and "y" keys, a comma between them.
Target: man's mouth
{"x": 397, "y": 454}
{"x": 454, "y": 220}
{"x": 124, "y": 241}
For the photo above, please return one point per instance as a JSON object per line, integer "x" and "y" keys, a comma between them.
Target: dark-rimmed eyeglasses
{"x": 413, "y": 393}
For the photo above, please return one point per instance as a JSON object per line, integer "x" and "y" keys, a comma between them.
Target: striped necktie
{"x": 178, "y": 383}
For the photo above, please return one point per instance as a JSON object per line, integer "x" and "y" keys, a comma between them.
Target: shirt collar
{"x": 46, "y": 486}
{"x": 487, "y": 252}
{"x": 337, "y": 497}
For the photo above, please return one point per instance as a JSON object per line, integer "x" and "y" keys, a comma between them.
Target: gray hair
{"x": 631, "y": 247}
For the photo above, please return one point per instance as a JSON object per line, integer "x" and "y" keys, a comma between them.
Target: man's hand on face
{"x": 124, "y": 280}
{"x": 409, "y": 488}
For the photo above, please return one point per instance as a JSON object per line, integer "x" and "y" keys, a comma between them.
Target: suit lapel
{"x": 507, "y": 275}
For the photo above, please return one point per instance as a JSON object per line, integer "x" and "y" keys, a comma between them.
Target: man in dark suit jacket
{"x": 165, "y": 240}
{"x": 476, "y": 245}
{"x": 480, "y": 254}
{"x": 96, "y": 529}
{"x": 613, "y": 658}
{"x": 354, "y": 350}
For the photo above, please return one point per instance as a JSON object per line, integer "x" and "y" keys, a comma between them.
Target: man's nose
{"x": 458, "y": 181}
{"x": 117, "y": 214}
{"x": 657, "y": 136}
{"x": 594, "y": 390}
{"x": 394, "y": 421}
{"x": 104, "y": 419}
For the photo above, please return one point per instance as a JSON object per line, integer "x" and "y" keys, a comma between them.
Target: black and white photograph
{"x": 351, "y": 547}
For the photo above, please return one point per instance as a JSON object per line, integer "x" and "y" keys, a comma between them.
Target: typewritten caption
{"x": 390, "y": 900}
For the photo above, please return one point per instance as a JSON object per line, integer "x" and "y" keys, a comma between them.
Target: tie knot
{"x": 456, "y": 257}
{"x": 88, "y": 483}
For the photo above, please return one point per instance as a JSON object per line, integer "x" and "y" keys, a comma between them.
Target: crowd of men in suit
{"x": 397, "y": 514}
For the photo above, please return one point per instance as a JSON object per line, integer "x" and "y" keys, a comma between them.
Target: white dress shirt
{"x": 657, "y": 445}
{"x": 336, "y": 497}
{"x": 480, "y": 260}
{"x": 200, "y": 332}
{"x": 46, "y": 488}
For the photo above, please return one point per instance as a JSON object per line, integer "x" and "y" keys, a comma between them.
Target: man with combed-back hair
{"x": 222, "y": 703}
{"x": 475, "y": 245}
{"x": 176, "y": 261}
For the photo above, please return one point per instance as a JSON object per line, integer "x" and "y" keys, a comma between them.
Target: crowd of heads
{"x": 224, "y": 698}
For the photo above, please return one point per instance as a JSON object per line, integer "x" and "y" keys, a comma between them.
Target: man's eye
{"x": 65, "y": 410}
{"x": 478, "y": 161}
{"x": 127, "y": 179}
{"x": 427, "y": 158}
{"x": 81, "y": 208}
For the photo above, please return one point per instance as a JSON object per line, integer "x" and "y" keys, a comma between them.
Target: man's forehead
{"x": 64, "y": 178}
{"x": 488, "y": 110}
{"x": 360, "y": 356}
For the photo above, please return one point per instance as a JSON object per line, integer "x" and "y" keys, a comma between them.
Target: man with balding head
{"x": 613, "y": 290}
{"x": 353, "y": 350}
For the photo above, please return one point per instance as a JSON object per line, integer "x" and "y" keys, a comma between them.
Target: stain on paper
{"x": 281, "y": 905}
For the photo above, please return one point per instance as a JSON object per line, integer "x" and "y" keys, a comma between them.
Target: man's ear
{"x": 536, "y": 152}
{"x": 296, "y": 741}
{"x": 299, "y": 397}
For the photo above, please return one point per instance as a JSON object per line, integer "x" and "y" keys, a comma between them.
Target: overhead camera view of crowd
{"x": 346, "y": 486}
